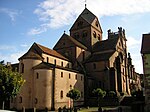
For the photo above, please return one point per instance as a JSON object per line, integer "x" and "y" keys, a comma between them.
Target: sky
{"x": 23, "y": 22}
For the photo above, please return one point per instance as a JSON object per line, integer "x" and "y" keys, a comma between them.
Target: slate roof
{"x": 88, "y": 15}
{"x": 77, "y": 43}
{"x": 109, "y": 44}
{"x": 99, "y": 57}
{"x": 45, "y": 65}
{"x": 31, "y": 55}
{"x": 145, "y": 49}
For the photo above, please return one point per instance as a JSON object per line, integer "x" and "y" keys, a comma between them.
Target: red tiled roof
{"x": 145, "y": 49}
{"x": 51, "y": 52}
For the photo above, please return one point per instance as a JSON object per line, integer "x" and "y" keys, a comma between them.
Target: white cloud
{"x": 58, "y": 13}
{"x": 10, "y": 12}
{"x": 7, "y": 47}
{"x": 13, "y": 57}
{"x": 132, "y": 42}
{"x": 24, "y": 45}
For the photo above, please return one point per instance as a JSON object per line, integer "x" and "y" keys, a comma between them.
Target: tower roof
{"x": 88, "y": 15}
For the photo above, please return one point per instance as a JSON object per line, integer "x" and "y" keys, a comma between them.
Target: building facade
{"x": 145, "y": 51}
{"x": 81, "y": 60}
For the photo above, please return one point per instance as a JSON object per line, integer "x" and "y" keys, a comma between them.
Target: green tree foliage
{"x": 74, "y": 94}
{"x": 99, "y": 93}
{"x": 10, "y": 83}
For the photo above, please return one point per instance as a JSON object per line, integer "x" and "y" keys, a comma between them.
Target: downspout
{"x": 53, "y": 89}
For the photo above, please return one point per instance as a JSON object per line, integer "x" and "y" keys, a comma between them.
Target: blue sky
{"x": 23, "y": 22}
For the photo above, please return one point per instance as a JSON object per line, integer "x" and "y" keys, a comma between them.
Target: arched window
{"x": 36, "y": 101}
{"x": 94, "y": 66}
{"x": 76, "y": 77}
{"x": 47, "y": 60}
{"x": 55, "y": 61}
{"x": 61, "y": 94}
{"x": 61, "y": 74}
{"x": 96, "y": 23}
{"x": 69, "y": 76}
{"x": 99, "y": 38}
{"x": 37, "y": 75}
{"x": 81, "y": 78}
{"x": 62, "y": 63}
{"x": 94, "y": 34}
{"x": 70, "y": 86}
{"x": 20, "y": 99}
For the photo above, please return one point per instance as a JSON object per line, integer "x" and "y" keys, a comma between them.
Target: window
{"x": 20, "y": 99}
{"x": 55, "y": 61}
{"x": 70, "y": 86}
{"x": 61, "y": 94}
{"x": 62, "y": 64}
{"x": 22, "y": 68}
{"x": 99, "y": 37}
{"x": 61, "y": 74}
{"x": 37, "y": 75}
{"x": 69, "y": 76}
{"x": 94, "y": 66}
{"x": 67, "y": 65}
{"x": 36, "y": 101}
{"x": 81, "y": 78}
{"x": 94, "y": 34}
{"x": 47, "y": 60}
{"x": 76, "y": 77}
{"x": 96, "y": 23}
{"x": 81, "y": 94}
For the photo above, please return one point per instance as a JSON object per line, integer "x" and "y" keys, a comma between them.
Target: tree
{"x": 74, "y": 94}
{"x": 99, "y": 93}
{"x": 10, "y": 83}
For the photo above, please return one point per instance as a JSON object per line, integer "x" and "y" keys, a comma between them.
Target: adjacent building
{"x": 145, "y": 51}
{"x": 81, "y": 60}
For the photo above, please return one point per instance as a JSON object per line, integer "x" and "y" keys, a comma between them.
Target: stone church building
{"x": 81, "y": 60}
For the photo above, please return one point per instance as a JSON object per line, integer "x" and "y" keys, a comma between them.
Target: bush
{"x": 112, "y": 94}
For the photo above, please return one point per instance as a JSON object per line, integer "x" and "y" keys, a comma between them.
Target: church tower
{"x": 87, "y": 29}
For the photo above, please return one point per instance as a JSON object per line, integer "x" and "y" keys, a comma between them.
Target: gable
{"x": 67, "y": 41}
{"x": 79, "y": 23}
{"x": 33, "y": 53}
{"x": 86, "y": 18}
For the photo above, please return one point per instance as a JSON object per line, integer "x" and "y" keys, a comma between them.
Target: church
{"x": 81, "y": 60}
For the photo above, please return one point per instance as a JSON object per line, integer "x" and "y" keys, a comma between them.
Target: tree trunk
{"x": 3, "y": 105}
